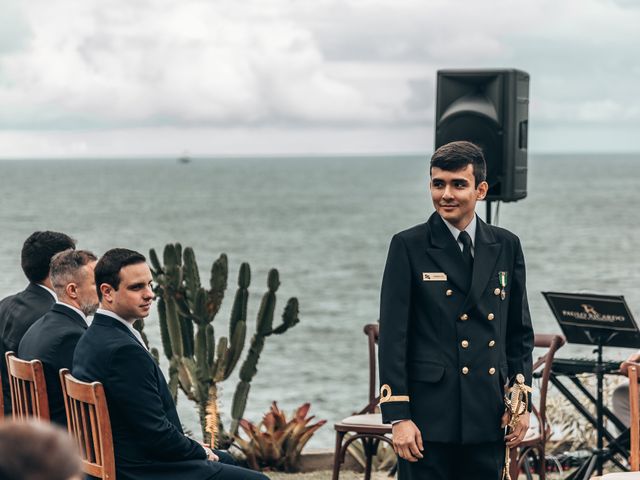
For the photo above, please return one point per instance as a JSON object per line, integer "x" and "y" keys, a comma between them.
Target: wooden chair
{"x": 1, "y": 399}
{"x": 28, "y": 388}
{"x": 535, "y": 440}
{"x": 88, "y": 422}
{"x": 366, "y": 425}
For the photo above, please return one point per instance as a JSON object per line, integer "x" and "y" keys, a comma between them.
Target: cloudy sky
{"x": 215, "y": 77}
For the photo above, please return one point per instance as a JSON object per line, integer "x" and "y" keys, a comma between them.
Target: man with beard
{"x": 454, "y": 329}
{"x": 53, "y": 338}
{"x": 18, "y": 312}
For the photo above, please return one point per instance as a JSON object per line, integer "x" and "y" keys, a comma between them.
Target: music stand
{"x": 603, "y": 321}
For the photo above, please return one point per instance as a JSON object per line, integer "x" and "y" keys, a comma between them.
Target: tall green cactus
{"x": 187, "y": 310}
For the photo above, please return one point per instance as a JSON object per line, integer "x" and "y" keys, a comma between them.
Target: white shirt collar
{"x": 471, "y": 230}
{"x": 53, "y": 294}
{"x": 129, "y": 325}
{"x": 77, "y": 310}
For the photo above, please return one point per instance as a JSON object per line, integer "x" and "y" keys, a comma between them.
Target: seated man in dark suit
{"x": 148, "y": 440}
{"x": 18, "y": 312}
{"x": 53, "y": 338}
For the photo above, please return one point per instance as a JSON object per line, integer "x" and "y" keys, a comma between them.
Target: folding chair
{"x": 28, "y": 388}
{"x": 88, "y": 422}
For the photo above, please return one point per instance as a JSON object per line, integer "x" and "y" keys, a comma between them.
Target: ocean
{"x": 325, "y": 223}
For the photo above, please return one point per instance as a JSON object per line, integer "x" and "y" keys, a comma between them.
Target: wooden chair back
{"x": 371, "y": 330}
{"x": 89, "y": 424}
{"x": 634, "y": 426}
{"x": 28, "y": 388}
{"x": 1, "y": 398}
{"x": 552, "y": 343}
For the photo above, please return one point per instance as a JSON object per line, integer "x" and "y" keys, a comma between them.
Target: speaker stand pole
{"x": 488, "y": 217}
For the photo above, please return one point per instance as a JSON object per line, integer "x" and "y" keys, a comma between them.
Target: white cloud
{"x": 82, "y": 65}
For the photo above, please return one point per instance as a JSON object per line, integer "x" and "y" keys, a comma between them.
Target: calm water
{"x": 325, "y": 224}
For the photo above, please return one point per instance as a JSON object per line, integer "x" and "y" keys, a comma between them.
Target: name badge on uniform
{"x": 434, "y": 277}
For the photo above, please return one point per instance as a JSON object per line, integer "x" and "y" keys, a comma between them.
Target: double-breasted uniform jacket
{"x": 17, "y": 313}
{"x": 148, "y": 440}
{"x": 450, "y": 341}
{"x": 52, "y": 339}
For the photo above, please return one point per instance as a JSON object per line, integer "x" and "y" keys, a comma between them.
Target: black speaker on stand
{"x": 491, "y": 109}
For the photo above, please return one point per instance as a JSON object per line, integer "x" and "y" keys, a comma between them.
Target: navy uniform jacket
{"x": 448, "y": 343}
{"x": 17, "y": 313}
{"x": 52, "y": 340}
{"x": 148, "y": 440}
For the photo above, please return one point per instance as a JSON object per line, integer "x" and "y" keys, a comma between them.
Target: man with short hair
{"x": 454, "y": 329}
{"x": 53, "y": 338}
{"x": 148, "y": 440}
{"x": 18, "y": 312}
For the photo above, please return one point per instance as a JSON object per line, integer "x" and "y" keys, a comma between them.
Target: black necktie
{"x": 465, "y": 239}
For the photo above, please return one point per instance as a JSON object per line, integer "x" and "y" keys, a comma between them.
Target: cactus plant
{"x": 186, "y": 310}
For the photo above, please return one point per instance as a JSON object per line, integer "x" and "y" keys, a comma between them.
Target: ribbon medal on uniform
{"x": 502, "y": 279}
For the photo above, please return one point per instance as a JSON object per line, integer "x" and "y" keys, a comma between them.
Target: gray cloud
{"x": 342, "y": 64}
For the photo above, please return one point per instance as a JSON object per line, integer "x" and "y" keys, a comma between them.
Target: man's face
{"x": 134, "y": 296}
{"x": 454, "y": 195}
{"x": 86, "y": 290}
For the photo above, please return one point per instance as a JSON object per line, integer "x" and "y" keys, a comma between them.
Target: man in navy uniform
{"x": 18, "y": 312}
{"x": 454, "y": 330}
{"x": 148, "y": 440}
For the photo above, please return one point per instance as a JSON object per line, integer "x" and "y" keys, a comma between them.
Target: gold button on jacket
{"x": 464, "y": 343}
{"x": 492, "y": 343}
{"x": 492, "y": 371}
{"x": 465, "y": 370}
{"x": 491, "y": 316}
{"x": 464, "y": 317}
{"x": 496, "y": 291}
{"x": 449, "y": 292}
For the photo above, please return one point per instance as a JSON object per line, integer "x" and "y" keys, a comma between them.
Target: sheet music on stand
{"x": 590, "y": 319}
{"x": 601, "y": 321}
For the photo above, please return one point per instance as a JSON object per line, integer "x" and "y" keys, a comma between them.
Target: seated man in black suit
{"x": 148, "y": 440}
{"x": 53, "y": 338}
{"x": 18, "y": 312}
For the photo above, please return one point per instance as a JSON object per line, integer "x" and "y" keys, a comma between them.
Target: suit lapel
{"x": 445, "y": 252}
{"x": 73, "y": 315}
{"x": 486, "y": 253}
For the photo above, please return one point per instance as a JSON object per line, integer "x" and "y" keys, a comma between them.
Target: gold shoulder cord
{"x": 517, "y": 403}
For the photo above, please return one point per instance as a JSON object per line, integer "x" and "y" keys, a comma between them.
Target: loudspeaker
{"x": 491, "y": 109}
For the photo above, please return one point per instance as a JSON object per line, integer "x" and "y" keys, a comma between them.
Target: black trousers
{"x": 230, "y": 471}
{"x": 448, "y": 461}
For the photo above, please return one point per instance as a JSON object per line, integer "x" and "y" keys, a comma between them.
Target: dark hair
{"x": 38, "y": 250}
{"x": 109, "y": 266}
{"x": 455, "y": 156}
{"x": 36, "y": 451}
{"x": 65, "y": 266}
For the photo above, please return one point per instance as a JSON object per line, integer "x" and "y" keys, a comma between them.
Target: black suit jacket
{"x": 52, "y": 340}
{"x": 449, "y": 342}
{"x": 148, "y": 440}
{"x": 17, "y": 313}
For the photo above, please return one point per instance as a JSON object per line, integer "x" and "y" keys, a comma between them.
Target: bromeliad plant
{"x": 276, "y": 443}
{"x": 186, "y": 312}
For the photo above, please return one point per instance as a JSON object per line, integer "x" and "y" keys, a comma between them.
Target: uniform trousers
{"x": 450, "y": 461}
